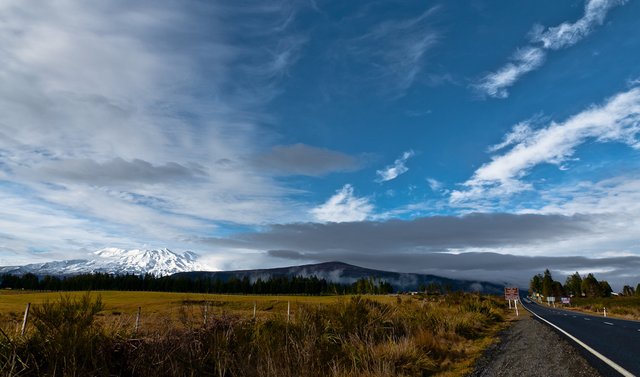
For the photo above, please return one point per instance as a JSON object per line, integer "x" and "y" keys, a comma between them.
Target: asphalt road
{"x": 616, "y": 339}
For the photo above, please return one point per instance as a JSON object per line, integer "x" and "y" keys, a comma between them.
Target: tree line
{"x": 575, "y": 285}
{"x": 275, "y": 285}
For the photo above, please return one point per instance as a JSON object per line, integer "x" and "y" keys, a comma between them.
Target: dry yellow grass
{"x": 371, "y": 335}
{"x": 160, "y": 307}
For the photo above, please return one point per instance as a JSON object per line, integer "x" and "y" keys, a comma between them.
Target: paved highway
{"x": 615, "y": 339}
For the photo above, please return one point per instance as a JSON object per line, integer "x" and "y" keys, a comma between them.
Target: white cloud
{"x": 519, "y": 133}
{"x": 523, "y": 61}
{"x": 613, "y": 203}
{"x": 617, "y": 120}
{"x": 398, "y": 168}
{"x": 531, "y": 57}
{"x": 434, "y": 184}
{"x": 115, "y": 116}
{"x": 48, "y": 229}
{"x": 344, "y": 206}
{"x": 396, "y": 49}
{"x": 568, "y": 34}
{"x": 618, "y": 195}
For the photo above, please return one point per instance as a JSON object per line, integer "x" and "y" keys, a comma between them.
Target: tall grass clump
{"x": 63, "y": 339}
{"x": 352, "y": 337}
{"x": 11, "y": 363}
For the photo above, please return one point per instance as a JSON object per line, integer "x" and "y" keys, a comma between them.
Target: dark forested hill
{"x": 343, "y": 273}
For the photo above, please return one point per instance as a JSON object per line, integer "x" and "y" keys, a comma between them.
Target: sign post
{"x": 511, "y": 293}
{"x": 551, "y": 301}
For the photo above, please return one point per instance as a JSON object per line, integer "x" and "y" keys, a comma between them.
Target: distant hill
{"x": 344, "y": 273}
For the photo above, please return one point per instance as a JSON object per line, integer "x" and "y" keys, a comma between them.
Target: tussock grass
{"x": 626, "y": 307}
{"x": 356, "y": 336}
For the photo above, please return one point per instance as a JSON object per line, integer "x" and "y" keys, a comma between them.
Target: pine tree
{"x": 591, "y": 286}
{"x": 535, "y": 285}
{"x": 573, "y": 284}
{"x": 547, "y": 284}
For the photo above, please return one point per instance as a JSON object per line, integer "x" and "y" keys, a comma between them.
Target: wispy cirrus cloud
{"x": 398, "y": 168}
{"x": 434, "y": 184}
{"x": 617, "y": 120}
{"x": 118, "y": 115}
{"x": 524, "y": 60}
{"x": 567, "y": 34}
{"x": 529, "y": 58}
{"x": 344, "y": 206}
{"x": 396, "y": 49}
{"x": 518, "y": 134}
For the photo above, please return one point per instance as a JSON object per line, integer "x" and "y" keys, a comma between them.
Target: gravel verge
{"x": 530, "y": 348}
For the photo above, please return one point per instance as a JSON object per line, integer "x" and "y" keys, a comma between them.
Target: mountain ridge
{"x": 164, "y": 262}
{"x": 340, "y": 272}
{"x": 160, "y": 262}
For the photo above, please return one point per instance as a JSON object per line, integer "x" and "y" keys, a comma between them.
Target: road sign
{"x": 565, "y": 300}
{"x": 551, "y": 299}
{"x": 511, "y": 293}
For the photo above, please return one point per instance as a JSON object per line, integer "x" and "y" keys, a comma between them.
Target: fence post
{"x": 288, "y": 311}
{"x": 206, "y": 309}
{"x": 137, "y": 320}
{"x": 255, "y": 304}
{"x": 24, "y": 321}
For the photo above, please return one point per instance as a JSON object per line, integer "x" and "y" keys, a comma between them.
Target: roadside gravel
{"x": 530, "y": 348}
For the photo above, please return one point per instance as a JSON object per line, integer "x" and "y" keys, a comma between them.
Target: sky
{"x": 470, "y": 139}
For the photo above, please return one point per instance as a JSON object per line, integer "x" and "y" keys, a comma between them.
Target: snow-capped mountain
{"x": 117, "y": 261}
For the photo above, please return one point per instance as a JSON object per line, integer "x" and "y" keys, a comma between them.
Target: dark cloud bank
{"x": 424, "y": 245}
{"x": 301, "y": 159}
{"x": 118, "y": 171}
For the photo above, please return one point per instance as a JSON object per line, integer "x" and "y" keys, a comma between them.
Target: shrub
{"x": 66, "y": 339}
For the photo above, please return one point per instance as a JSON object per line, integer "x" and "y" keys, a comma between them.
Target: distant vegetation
{"x": 618, "y": 306}
{"x": 276, "y": 285}
{"x": 408, "y": 336}
{"x": 590, "y": 295}
{"x": 575, "y": 286}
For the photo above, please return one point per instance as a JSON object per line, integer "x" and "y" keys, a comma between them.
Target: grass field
{"x": 325, "y": 335}
{"x": 626, "y": 307}
{"x": 157, "y": 307}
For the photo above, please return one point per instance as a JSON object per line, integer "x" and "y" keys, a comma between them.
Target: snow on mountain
{"x": 118, "y": 261}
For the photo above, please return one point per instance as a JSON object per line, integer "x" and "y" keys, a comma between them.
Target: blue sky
{"x": 263, "y": 134}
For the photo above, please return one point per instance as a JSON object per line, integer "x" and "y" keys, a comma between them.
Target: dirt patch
{"x": 530, "y": 348}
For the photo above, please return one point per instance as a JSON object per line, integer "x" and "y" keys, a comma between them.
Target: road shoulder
{"x": 530, "y": 348}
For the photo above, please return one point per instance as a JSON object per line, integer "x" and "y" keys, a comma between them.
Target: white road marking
{"x": 609, "y": 323}
{"x": 597, "y": 354}
{"x": 587, "y": 319}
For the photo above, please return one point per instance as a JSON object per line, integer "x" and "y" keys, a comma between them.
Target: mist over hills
{"x": 344, "y": 273}
{"x": 164, "y": 262}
